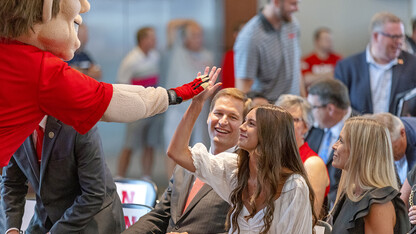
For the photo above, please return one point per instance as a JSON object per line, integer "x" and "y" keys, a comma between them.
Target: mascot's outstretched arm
{"x": 131, "y": 102}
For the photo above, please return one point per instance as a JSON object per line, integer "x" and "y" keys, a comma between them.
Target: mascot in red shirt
{"x": 35, "y": 37}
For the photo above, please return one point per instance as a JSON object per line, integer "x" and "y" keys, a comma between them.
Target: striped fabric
{"x": 270, "y": 57}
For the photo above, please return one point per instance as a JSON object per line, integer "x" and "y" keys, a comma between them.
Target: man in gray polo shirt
{"x": 267, "y": 51}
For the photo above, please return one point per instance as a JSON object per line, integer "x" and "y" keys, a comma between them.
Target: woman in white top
{"x": 264, "y": 182}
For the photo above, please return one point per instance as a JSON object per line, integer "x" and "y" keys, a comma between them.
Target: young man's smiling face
{"x": 224, "y": 121}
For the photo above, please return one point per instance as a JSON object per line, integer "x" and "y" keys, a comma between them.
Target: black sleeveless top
{"x": 348, "y": 216}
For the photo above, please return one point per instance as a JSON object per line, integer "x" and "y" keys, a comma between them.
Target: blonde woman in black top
{"x": 368, "y": 200}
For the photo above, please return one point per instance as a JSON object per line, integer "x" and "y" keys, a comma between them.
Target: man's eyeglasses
{"x": 296, "y": 120}
{"x": 317, "y": 107}
{"x": 394, "y": 37}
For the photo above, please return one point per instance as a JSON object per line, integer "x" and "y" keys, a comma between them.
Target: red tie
{"x": 197, "y": 186}
{"x": 39, "y": 141}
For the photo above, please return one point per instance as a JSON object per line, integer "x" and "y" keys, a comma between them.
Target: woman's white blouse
{"x": 292, "y": 212}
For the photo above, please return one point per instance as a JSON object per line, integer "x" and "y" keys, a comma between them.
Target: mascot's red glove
{"x": 188, "y": 91}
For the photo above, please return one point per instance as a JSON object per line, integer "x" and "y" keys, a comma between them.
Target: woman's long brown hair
{"x": 277, "y": 149}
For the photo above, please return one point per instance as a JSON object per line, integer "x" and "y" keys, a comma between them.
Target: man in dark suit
{"x": 379, "y": 75}
{"x": 206, "y": 212}
{"x": 410, "y": 43}
{"x": 403, "y": 140}
{"x": 330, "y": 108}
{"x": 75, "y": 192}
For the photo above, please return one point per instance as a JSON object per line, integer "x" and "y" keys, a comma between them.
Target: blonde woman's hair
{"x": 370, "y": 163}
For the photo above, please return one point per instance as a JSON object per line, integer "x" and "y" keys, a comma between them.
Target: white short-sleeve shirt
{"x": 292, "y": 212}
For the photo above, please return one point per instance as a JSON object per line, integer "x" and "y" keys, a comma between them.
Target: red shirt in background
{"x": 306, "y": 152}
{"x": 35, "y": 83}
{"x": 315, "y": 65}
{"x": 227, "y": 70}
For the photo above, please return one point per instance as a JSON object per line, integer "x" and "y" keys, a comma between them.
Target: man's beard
{"x": 286, "y": 18}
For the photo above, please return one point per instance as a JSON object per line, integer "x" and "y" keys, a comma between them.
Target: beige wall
{"x": 348, "y": 19}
